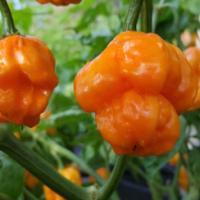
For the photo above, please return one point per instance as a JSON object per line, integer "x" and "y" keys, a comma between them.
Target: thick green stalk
{"x": 147, "y": 16}
{"x": 5, "y": 197}
{"x": 114, "y": 179}
{"x": 193, "y": 194}
{"x": 29, "y": 195}
{"x": 72, "y": 157}
{"x": 8, "y": 22}
{"x": 69, "y": 155}
{"x": 41, "y": 169}
{"x": 133, "y": 15}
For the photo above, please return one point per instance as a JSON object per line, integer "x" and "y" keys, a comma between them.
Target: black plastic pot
{"x": 133, "y": 191}
{"x": 130, "y": 189}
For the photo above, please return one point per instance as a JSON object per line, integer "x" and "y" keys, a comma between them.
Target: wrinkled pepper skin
{"x": 137, "y": 87}
{"x": 140, "y": 61}
{"x": 72, "y": 174}
{"x": 193, "y": 57}
{"x": 139, "y": 124}
{"x": 27, "y": 79}
{"x": 59, "y": 2}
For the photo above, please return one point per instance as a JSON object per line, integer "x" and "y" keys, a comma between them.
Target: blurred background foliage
{"x": 76, "y": 34}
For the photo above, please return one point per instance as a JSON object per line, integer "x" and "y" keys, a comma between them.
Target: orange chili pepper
{"x": 71, "y": 173}
{"x": 176, "y": 158}
{"x": 102, "y": 172}
{"x": 193, "y": 57}
{"x": 183, "y": 178}
{"x": 136, "y": 87}
{"x": 27, "y": 79}
{"x": 183, "y": 175}
{"x": 139, "y": 124}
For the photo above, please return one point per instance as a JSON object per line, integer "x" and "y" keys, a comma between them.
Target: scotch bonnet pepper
{"x": 72, "y": 174}
{"x": 59, "y": 2}
{"x": 27, "y": 78}
{"x": 193, "y": 57}
{"x": 137, "y": 86}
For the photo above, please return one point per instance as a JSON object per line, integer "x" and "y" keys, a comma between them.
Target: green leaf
{"x": 192, "y": 6}
{"x": 11, "y": 177}
{"x": 194, "y": 164}
{"x": 25, "y": 14}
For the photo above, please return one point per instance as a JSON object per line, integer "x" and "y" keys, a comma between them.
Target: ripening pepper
{"x": 183, "y": 178}
{"x": 193, "y": 57}
{"x": 72, "y": 174}
{"x": 59, "y": 2}
{"x": 102, "y": 172}
{"x": 27, "y": 79}
{"x": 30, "y": 180}
{"x": 137, "y": 87}
{"x": 139, "y": 124}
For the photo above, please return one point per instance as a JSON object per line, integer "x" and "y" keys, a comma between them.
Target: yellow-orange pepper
{"x": 102, "y": 172}
{"x": 27, "y": 79}
{"x": 71, "y": 173}
{"x": 139, "y": 124}
{"x": 59, "y": 2}
{"x": 183, "y": 178}
{"x": 193, "y": 57}
{"x": 137, "y": 86}
{"x": 174, "y": 160}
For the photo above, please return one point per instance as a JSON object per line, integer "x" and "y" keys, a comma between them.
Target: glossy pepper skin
{"x": 27, "y": 79}
{"x": 59, "y": 2}
{"x": 71, "y": 173}
{"x": 139, "y": 124}
{"x": 137, "y": 86}
{"x": 193, "y": 57}
{"x": 129, "y": 63}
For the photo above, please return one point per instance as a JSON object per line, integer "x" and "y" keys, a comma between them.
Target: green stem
{"x": 5, "y": 197}
{"x": 41, "y": 169}
{"x": 147, "y": 16}
{"x": 29, "y": 195}
{"x": 176, "y": 175}
{"x": 193, "y": 193}
{"x": 114, "y": 178}
{"x": 69, "y": 155}
{"x": 84, "y": 166}
{"x": 136, "y": 169}
{"x": 8, "y": 22}
{"x": 156, "y": 194}
{"x": 133, "y": 14}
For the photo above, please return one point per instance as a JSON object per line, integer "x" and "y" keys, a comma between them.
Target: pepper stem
{"x": 69, "y": 155}
{"x": 40, "y": 168}
{"x": 114, "y": 178}
{"x": 147, "y": 16}
{"x": 133, "y": 15}
{"x": 8, "y": 22}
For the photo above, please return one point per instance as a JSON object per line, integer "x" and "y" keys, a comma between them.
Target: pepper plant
{"x": 52, "y": 141}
